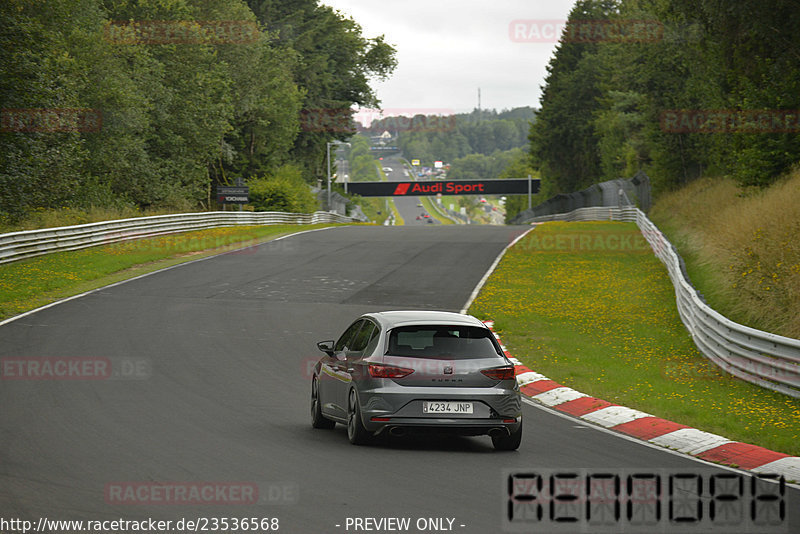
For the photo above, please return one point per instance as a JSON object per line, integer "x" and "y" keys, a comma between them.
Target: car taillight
{"x": 388, "y": 371}
{"x": 499, "y": 373}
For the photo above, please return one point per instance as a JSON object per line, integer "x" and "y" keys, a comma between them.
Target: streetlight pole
{"x": 329, "y": 176}
{"x": 328, "y": 148}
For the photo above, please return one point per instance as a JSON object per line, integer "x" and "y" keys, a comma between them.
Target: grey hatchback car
{"x": 400, "y": 372}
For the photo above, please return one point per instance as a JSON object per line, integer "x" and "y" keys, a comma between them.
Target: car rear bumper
{"x": 440, "y": 425}
{"x": 497, "y": 408}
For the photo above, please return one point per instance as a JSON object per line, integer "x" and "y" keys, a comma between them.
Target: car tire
{"x": 356, "y": 432}
{"x": 510, "y": 442}
{"x": 317, "y": 419}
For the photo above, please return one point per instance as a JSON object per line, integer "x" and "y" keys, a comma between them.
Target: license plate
{"x": 446, "y": 407}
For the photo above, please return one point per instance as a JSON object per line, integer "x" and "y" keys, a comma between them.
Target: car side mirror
{"x": 326, "y": 347}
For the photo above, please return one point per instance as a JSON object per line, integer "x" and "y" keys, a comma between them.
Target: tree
{"x": 563, "y": 139}
{"x": 285, "y": 190}
{"x": 335, "y": 65}
{"x": 520, "y": 167}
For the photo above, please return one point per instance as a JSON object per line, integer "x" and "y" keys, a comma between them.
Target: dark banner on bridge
{"x": 511, "y": 186}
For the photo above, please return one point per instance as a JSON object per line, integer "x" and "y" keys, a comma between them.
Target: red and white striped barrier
{"x": 647, "y": 427}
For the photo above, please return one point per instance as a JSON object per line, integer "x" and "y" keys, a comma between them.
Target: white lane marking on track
{"x": 490, "y": 271}
{"x": 73, "y": 297}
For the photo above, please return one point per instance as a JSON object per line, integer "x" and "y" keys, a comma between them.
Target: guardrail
{"x": 446, "y": 213}
{"x": 759, "y": 357}
{"x": 613, "y": 193}
{"x": 27, "y": 244}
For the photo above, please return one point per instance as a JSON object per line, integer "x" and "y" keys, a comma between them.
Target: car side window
{"x": 363, "y": 337}
{"x": 345, "y": 342}
{"x": 374, "y": 338}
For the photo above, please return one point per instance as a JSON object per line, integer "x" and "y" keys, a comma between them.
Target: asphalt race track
{"x": 406, "y": 206}
{"x": 221, "y": 396}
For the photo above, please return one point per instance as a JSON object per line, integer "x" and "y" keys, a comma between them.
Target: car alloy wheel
{"x": 356, "y": 432}
{"x": 317, "y": 419}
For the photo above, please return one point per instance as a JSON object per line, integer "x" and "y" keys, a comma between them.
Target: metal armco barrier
{"x": 20, "y": 245}
{"x": 613, "y": 193}
{"x": 769, "y": 360}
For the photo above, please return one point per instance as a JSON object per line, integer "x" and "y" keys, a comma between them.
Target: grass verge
{"x": 398, "y": 219}
{"x": 28, "y": 284}
{"x": 588, "y": 305}
{"x": 430, "y": 208}
{"x": 740, "y": 247}
{"x": 50, "y": 218}
{"x": 378, "y": 209}
{"x": 375, "y": 208}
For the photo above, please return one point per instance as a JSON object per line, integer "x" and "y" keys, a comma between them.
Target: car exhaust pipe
{"x": 497, "y": 432}
{"x": 397, "y": 431}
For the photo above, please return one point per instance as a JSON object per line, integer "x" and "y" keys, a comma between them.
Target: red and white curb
{"x": 647, "y": 427}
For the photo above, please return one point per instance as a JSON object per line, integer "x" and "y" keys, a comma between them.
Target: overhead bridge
{"x": 513, "y": 186}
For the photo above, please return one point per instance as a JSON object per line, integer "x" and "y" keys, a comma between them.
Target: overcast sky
{"x": 447, "y": 49}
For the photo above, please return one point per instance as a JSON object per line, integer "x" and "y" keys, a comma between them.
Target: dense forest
{"x": 150, "y": 104}
{"x": 430, "y": 138}
{"x": 714, "y": 91}
{"x": 478, "y": 145}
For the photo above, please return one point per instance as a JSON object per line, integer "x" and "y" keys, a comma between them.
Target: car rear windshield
{"x": 446, "y": 342}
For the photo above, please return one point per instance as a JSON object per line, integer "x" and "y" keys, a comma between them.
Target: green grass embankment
{"x": 589, "y": 306}
{"x": 429, "y": 205}
{"x": 28, "y": 284}
{"x": 741, "y": 248}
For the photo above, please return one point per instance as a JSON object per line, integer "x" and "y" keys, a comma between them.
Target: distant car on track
{"x": 401, "y": 372}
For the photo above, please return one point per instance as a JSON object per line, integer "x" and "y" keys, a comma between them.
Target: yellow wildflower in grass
{"x": 604, "y": 321}
{"x": 29, "y": 283}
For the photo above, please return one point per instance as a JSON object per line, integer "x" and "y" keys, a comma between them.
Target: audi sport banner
{"x": 512, "y": 186}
